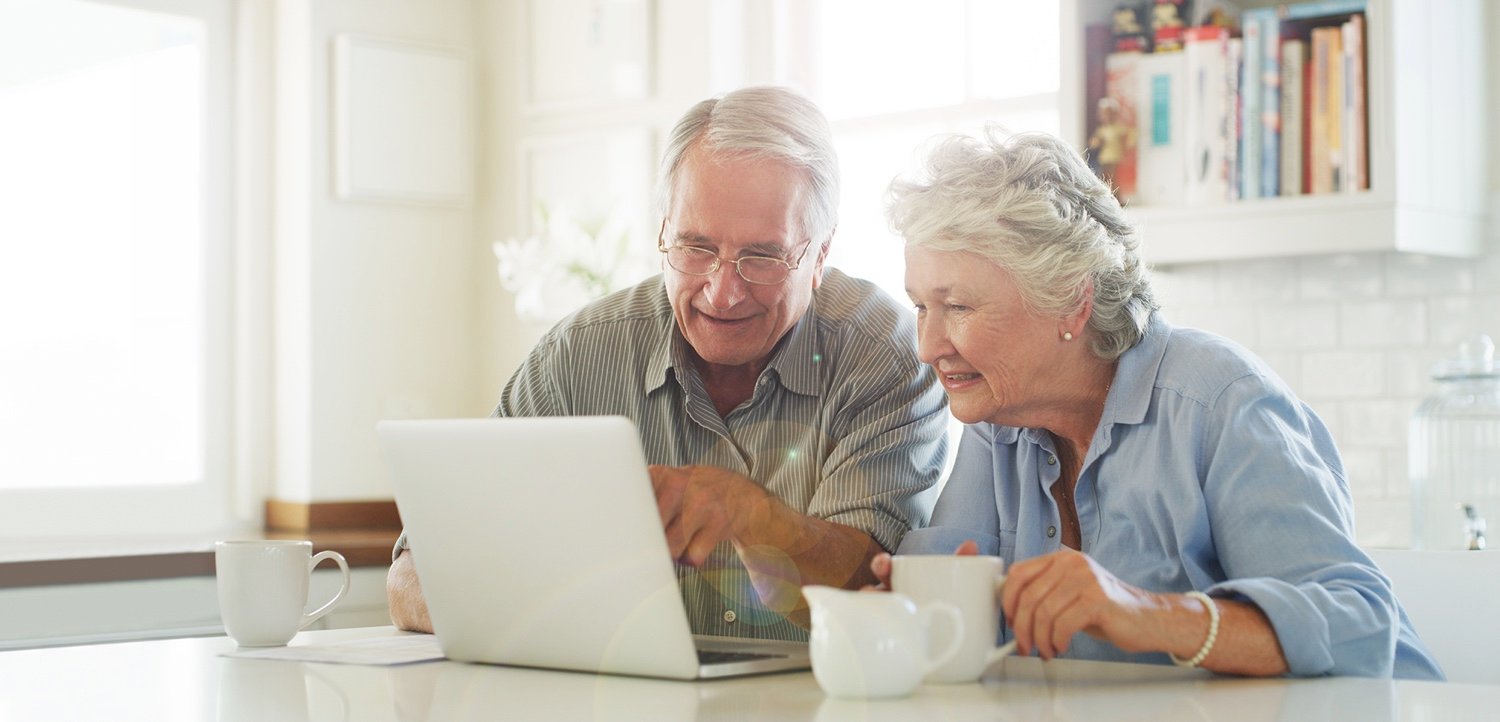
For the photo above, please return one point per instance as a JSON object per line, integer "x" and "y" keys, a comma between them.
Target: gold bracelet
{"x": 1213, "y": 632}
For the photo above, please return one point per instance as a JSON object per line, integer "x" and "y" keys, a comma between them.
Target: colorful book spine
{"x": 1319, "y": 169}
{"x": 1356, "y": 149}
{"x": 1270, "y": 103}
{"x": 1122, "y": 89}
{"x": 1209, "y": 129}
{"x": 1251, "y": 98}
{"x": 1335, "y": 130}
{"x": 1162, "y": 170}
{"x": 1293, "y": 62}
{"x": 1232, "y": 161}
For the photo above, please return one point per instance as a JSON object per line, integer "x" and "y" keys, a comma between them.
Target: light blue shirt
{"x": 1205, "y": 473}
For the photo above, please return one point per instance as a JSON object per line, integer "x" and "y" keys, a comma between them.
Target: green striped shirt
{"x": 845, "y": 424}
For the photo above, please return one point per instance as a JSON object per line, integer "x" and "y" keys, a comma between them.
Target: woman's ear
{"x": 1073, "y": 324}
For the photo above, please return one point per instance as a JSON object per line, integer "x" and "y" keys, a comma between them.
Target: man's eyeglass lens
{"x": 761, "y": 270}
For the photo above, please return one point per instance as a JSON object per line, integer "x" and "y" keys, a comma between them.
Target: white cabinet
{"x": 1428, "y": 149}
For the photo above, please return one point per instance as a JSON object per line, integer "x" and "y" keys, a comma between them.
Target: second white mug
{"x": 970, "y": 583}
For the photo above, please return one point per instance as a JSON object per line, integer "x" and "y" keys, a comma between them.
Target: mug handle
{"x": 318, "y": 613}
{"x": 925, "y": 613}
{"x": 1005, "y": 649}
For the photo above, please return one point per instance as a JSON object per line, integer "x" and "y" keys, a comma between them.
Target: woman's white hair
{"x": 762, "y": 122}
{"x": 1031, "y": 205}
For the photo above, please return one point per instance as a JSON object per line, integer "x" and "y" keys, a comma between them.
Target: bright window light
{"x": 102, "y": 281}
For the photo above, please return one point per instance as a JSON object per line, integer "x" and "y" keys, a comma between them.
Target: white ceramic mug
{"x": 970, "y": 583}
{"x": 865, "y": 644}
{"x": 263, "y": 588}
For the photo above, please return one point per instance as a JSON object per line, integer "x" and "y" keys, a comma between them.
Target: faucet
{"x": 1473, "y": 527}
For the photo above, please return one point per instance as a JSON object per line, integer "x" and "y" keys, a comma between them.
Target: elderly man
{"x": 788, "y": 421}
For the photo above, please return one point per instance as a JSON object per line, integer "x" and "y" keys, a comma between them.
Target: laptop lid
{"x": 539, "y": 544}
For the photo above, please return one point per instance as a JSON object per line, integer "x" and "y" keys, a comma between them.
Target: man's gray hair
{"x": 1030, "y": 204}
{"x": 762, "y": 122}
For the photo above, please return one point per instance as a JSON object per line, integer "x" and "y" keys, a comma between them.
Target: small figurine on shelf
{"x": 1112, "y": 143}
{"x": 1127, "y": 29}
{"x": 1168, "y": 19}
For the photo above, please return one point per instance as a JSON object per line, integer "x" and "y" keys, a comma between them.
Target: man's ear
{"x": 822, "y": 256}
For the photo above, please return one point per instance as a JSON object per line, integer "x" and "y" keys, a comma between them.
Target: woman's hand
{"x": 1050, "y": 598}
{"x": 881, "y": 565}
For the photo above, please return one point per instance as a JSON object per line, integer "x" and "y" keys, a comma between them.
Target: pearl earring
{"x": 1067, "y": 335}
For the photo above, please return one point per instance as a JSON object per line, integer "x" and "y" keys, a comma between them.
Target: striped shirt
{"x": 845, "y": 424}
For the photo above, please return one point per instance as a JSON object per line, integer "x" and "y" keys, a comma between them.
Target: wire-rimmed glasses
{"x": 759, "y": 270}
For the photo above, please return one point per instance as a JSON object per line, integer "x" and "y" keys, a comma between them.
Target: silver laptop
{"x": 539, "y": 544}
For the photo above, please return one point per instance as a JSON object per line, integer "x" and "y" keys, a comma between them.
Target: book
{"x": 1269, "y": 116}
{"x": 1232, "y": 160}
{"x": 1293, "y": 57}
{"x": 1319, "y": 173}
{"x": 1121, "y": 90}
{"x": 1335, "y": 129}
{"x": 1251, "y": 98}
{"x": 1161, "y": 148}
{"x": 1356, "y": 149}
{"x": 1208, "y": 129}
{"x": 1319, "y": 8}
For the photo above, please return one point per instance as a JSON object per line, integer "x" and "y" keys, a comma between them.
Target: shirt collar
{"x": 1135, "y": 376}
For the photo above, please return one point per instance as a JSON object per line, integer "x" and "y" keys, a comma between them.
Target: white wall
{"x": 1356, "y": 336}
{"x": 375, "y": 303}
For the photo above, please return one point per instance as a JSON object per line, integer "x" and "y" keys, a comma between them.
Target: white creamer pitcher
{"x": 869, "y": 644}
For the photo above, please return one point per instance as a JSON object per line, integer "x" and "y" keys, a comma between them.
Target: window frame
{"x": 203, "y": 506}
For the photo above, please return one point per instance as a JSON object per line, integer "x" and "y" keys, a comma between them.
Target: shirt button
{"x": 730, "y": 616}
{"x": 1051, "y": 532}
{"x": 1051, "y": 460}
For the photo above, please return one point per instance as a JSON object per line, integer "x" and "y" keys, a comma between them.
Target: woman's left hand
{"x": 1050, "y": 598}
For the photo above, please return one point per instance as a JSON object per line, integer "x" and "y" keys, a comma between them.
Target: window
{"x": 114, "y": 282}
{"x": 891, "y": 74}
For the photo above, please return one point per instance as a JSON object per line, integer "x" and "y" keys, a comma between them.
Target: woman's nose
{"x": 932, "y": 339}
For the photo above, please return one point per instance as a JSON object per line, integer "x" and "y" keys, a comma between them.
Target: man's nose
{"x": 724, "y": 287}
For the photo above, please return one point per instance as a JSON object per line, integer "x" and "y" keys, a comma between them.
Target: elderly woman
{"x": 1159, "y": 492}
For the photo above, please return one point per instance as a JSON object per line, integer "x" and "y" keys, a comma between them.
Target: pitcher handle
{"x": 954, "y": 643}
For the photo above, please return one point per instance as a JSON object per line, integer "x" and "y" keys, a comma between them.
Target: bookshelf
{"x": 1427, "y": 149}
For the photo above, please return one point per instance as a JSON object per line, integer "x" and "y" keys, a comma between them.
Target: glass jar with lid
{"x": 1454, "y": 445}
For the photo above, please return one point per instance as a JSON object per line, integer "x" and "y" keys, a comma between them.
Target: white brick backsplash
{"x": 1343, "y": 375}
{"x": 1380, "y": 324}
{"x": 1184, "y": 285}
{"x": 1382, "y": 523}
{"x": 1297, "y": 326}
{"x": 1272, "y": 280}
{"x": 1411, "y": 274}
{"x": 1487, "y": 267}
{"x": 1376, "y": 424}
{"x": 1397, "y": 476}
{"x": 1233, "y": 322}
{"x": 1410, "y": 371}
{"x": 1454, "y": 318}
{"x": 1365, "y": 469}
{"x": 1341, "y": 277}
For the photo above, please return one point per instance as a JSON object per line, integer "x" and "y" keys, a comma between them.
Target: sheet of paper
{"x": 380, "y": 651}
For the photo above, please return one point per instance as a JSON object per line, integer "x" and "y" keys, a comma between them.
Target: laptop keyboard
{"x": 708, "y": 656}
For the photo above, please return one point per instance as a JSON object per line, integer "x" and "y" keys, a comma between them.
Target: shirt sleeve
{"x": 889, "y": 448}
{"x": 534, "y": 389}
{"x": 1280, "y": 513}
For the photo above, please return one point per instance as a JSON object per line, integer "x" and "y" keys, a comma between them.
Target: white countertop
{"x": 186, "y": 679}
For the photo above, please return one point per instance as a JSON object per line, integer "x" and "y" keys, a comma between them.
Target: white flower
{"x": 566, "y": 266}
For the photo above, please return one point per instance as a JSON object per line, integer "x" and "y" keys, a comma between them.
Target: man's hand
{"x": 403, "y": 591}
{"x": 702, "y": 506}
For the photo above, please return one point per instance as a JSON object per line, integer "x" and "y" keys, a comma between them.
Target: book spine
{"x": 1232, "y": 152}
{"x": 1320, "y": 8}
{"x": 1163, "y": 155}
{"x": 1208, "y": 128}
{"x": 1317, "y": 136}
{"x": 1251, "y": 95}
{"x": 1270, "y": 110}
{"x": 1335, "y": 128}
{"x": 1293, "y": 56}
{"x": 1356, "y": 149}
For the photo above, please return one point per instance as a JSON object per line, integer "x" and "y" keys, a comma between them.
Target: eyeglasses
{"x": 759, "y": 270}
